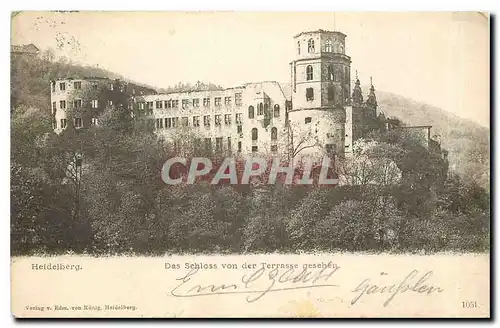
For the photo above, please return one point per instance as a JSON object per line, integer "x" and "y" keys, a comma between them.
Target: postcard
{"x": 250, "y": 164}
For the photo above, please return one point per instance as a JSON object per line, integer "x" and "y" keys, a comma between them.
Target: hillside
{"x": 467, "y": 142}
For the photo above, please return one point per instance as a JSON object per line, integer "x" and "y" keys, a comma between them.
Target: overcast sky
{"x": 438, "y": 58}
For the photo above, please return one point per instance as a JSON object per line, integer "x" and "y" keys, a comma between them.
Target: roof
{"x": 25, "y": 48}
{"x": 320, "y": 31}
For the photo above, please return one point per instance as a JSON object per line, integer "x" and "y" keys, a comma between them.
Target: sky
{"x": 438, "y": 58}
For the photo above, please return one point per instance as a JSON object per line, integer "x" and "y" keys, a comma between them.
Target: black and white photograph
{"x": 250, "y": 164}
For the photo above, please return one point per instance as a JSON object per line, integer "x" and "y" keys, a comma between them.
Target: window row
{"x": 77, "y": 103}
{"x": 160, "y": 104}
{"x": 261, "y": 108}
{"x": 330, "y": 75}
{"x": 336, "y": 47}
{"x": 330, "y": 94}
{"x": 77, "y": 123}
{"x": 173, "y": 122}
{"x": 77, "y": 85}
{"x": 255, "y": 134}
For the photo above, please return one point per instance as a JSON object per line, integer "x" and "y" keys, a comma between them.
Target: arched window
{"x": 255, "y": 134}
{"x": 310, "y": 46}
{"x": 331, "y": 74}
{"x": 251, "y": 112}
{"x": 274, "y": 133}
{"x": 341, "y": 49}
{"x": 328, "y": 45}
{"x": 309, "y": 73}
{"x": 260, "y": 109}
{"x": 298, "y": 47}
{"x": 276, "y": 110}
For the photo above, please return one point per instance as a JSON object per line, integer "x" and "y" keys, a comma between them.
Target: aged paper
{"x": 170, "y": 164}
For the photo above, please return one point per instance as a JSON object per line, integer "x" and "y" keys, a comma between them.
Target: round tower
{"x": 320, "y": 90}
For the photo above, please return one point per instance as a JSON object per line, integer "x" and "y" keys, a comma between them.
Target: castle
{"x": 316, "y": 114}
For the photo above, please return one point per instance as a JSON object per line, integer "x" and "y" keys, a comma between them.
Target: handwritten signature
{"x": 275, "y": 280}
{"x": 408, "y": 284}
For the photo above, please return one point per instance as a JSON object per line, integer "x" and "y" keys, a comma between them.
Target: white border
{"x": 191, "y": 5}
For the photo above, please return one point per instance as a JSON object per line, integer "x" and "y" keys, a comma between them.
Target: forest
{"x": 98, "y": 191}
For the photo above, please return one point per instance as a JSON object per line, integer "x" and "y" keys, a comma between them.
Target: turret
{"x": 357, "y": 94}
{"x": 372, "y": 99}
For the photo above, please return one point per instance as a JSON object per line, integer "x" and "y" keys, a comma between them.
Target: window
{"x": 206, "y": 102}
{"x": 77, "y": 85}
{"x": 54, "y": 108}
{"x": 64, "y": 123}
{"x": 307, "y": 120}
{"x": 196, "y": 102}
{"x": 185, "y": 121}
{"x": 331, "y": 74}
{"x": 62, "y": 104}
{"x": 168, "y": 122}
{"x": 276, "y": 110}
{"x": 206, "y": 120}
{"x": 168, "y": 103}
{"x": 217, "y": 101}
{"x": 54, "y": 125}
{"x": 218, "y": 144}
{"x": 238, "y": 118}
{"x": 229, "y": 143}
{"x": 208, "y": 145}
{"x": 62, "y": 86}
{"x": 77, "y": 103}
{"x": 175, "y": 122}
{"x": 53, "y": 88}
{"x": 255, "y": 134}
{"x": 95, "y": 86}
{"x": 238, "y": 99}
{"x": 93, "y": 121}
{"x": 175, "y": 103}
{"x": 78, "y": 122}
{"x": 227, "y": 101}
{"x": 328, "y": 45}
{"x": 260, "y": 109}
{"x": 227, "y": 119}
{"x": 185, "y": 103}
{"x": 217, "y": 119}
{"x": 298, "y": 47}
{"x": 94, "y": 103}
{"x": 159, "y": 123}
{"x": 251, "y": 113}
{"x": 309, "y": 94}
{"x": 196, "y": 121}
{"x": 159, "y": 104}
{"x": 111, "y": 86}
{"x": 239, "y": 146}
{"x": 239, "y": 129}
{"x": 310, "y": 46}
{"x": 274, "y": 133}
{"x": 309, "y": 73}
{"x": 255, "y": 149}
{"x": 274, "y": 148}
{"x": 331, "y": 94}
{"x": 149, "y": 105}
{"x": 140, "y": 105}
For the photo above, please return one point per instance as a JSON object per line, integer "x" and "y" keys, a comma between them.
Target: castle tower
{"x": 320, "y": 77}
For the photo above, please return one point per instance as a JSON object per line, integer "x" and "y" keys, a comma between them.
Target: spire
{"x": 372, "y": 99}
{"x": 357, "y": 95}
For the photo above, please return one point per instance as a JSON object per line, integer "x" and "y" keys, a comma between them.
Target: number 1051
{"x": 469, "y": 304}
